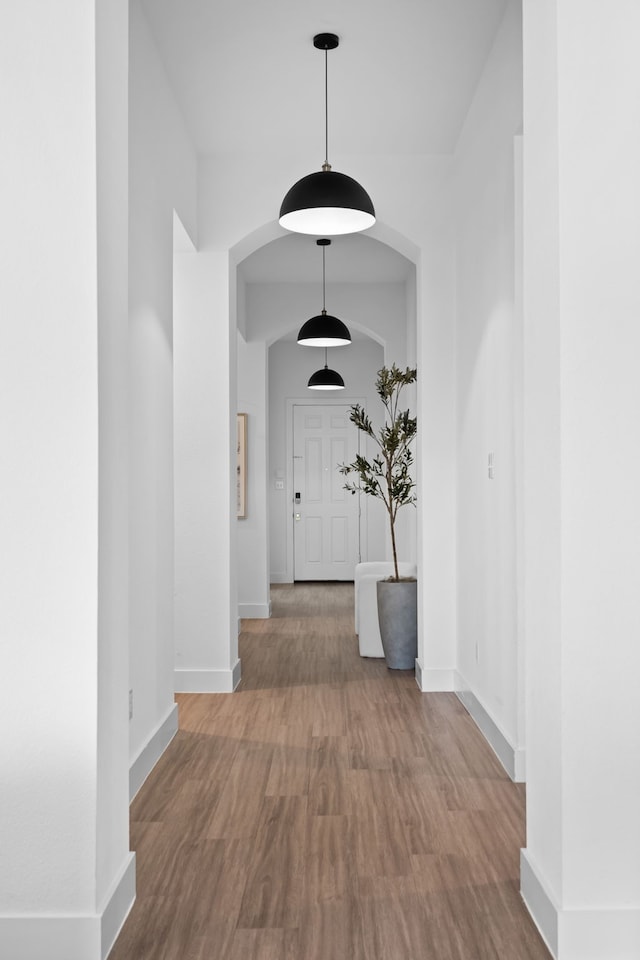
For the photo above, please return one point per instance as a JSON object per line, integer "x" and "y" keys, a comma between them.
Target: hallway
{"x": 326, "y": 811}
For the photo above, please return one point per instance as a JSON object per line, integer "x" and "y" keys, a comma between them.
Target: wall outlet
{"x": 279, "y": 484}
{"x": 130, "y": 704}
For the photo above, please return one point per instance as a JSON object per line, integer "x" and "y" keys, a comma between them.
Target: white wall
{"x": 112, "y": 33}
{"x": 63, "y": 617}
{"x": 486, "y": 339}
{"x": 162, "y": 175}
{"x": 436, "y": 465}
{"x": 205, "y": 604}
{"x": 253, "y": 530}
{"x": 50, "y": 531}
{"x": 582, "y": 475}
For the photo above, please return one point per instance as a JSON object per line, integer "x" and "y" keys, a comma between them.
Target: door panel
{"x": 313, "y": 540}
{"x": 339, "y": 540}
{"x": 327, "y": 518}
{"x": 339, "y": 454}
{"x": 313, "y": 469}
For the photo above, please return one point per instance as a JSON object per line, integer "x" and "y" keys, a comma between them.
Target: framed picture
{"x": 241, "y": 477}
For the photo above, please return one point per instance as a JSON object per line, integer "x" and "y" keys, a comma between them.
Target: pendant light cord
{"x": 324, "y": 305}
{"x": 326, "y": 108}
{"x": 326, "y": 165}
{"x": 325, "y": 359}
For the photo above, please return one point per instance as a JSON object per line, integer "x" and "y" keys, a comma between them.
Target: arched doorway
{"x": 371, "y": 284}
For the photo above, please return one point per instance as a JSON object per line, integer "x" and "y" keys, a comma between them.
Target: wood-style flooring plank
{"x": 326, "y": 810}
{"x": 329, "y": 792}
{"x": 290, "y": 763}
{"x": 271, "y": 898}
{"x": 235, "y": 815}
{"x": 328, "y": 871}
{"x": 251, "y": 944}
{"x": 394, "y": 921}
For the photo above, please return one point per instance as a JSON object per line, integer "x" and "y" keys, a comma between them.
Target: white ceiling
{"x": 248, "y": 79}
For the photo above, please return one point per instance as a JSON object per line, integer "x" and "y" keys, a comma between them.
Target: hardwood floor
{"x": 327, "y": 810}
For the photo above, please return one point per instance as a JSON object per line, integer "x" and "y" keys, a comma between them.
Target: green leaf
{"x": 386, "y": 475}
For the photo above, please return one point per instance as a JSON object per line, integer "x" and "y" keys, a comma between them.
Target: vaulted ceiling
{"x": 248, "y": 80}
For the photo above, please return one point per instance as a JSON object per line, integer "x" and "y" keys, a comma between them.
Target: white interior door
{"x": 326, "y": 518}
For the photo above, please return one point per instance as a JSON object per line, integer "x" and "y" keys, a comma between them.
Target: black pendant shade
{"x": 325, "y": 379}
{"x": 323, "y": 330}
{"x": 327, "y": 202}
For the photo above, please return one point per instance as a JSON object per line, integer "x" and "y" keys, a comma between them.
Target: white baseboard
{"x": 207, "y": 681}
{"x": 434, "y": 681}
{"x": 118, "y": 904}
{"x": 71, "y": 937}
{"x": 596, "y": 934}
{"x": 539, "y": 902}
{"x": 56, "y": 938}
{"x": 53, "y": 938}
{"x": 254, "y": 611}
{"x": 578, "y": 934}
{"x": 450, "y": 681}
{"x": 512, "y": 758}
{"x": 153, "y": 749}
{"x": 280, "y": 578}
{"x": 519, "y": 765}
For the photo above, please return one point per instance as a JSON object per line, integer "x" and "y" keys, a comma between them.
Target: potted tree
{"x": 387, "y": 476}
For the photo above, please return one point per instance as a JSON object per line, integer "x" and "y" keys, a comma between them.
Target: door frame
{"x": 362, "y": 526}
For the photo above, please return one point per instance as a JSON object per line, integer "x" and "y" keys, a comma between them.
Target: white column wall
{"x": 253, "y": 530}
{"x": 407, "y": 526}
{"x": 486, "y": 334}
{"x": 67, "y": 876}
{"x": 162, "y": 174}
{"x": 206, "y": 646}
{"x": 582, "y": 301}
{"x": 50, "y": 531}
{"x": 112, "y": 49}
{"x": 436, "y": 466}
{"x": 600, "y": 243}
{"x": 542, "y": 446}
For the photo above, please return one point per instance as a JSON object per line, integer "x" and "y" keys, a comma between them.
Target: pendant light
{"x": 327, "y": 202}
{"x": 325, "y": 379}
{"x": 324, "y": 330}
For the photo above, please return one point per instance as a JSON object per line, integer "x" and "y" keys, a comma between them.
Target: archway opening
{"x": 371, "y": 285}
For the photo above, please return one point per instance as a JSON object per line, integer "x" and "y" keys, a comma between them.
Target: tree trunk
{"x": 393, "y": 547}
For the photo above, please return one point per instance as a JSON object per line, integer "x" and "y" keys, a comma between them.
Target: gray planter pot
{"x": 398, "y": 619}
